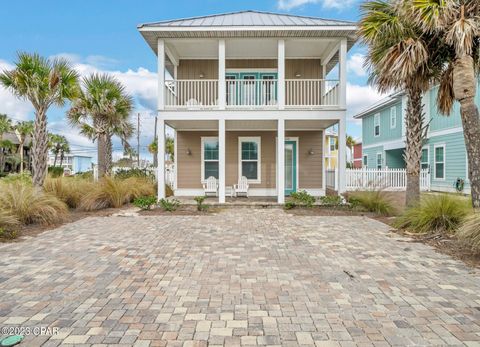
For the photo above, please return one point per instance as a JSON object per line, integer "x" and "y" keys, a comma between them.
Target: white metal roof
{"x": 388, "y": 100}
{"x": 248, "y": 18}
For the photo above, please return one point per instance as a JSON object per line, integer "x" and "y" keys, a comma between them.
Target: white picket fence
{"x": 367, "y": 179}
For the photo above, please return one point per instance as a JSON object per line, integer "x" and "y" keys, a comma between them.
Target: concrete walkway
{"x": 241, "y": 277}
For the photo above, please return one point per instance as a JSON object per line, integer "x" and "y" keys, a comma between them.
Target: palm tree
{"x": 398, "y": 58}
{"x": 101, "y": 111}
{"x": 153, "y": 149}
{"x": 55, "y": 144}
{"x": 44, "y": 82}
{"x": 64, "y": 149}
{"x": 456, "y": 23}
{"x": 23, "y": 130}
{"x": 5, "y": 126}
{"x": 169, "y": 149}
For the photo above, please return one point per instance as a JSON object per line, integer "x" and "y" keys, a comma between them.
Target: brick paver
{"x": 238, "y": 278}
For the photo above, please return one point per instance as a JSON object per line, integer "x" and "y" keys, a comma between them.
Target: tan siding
{"x": 307, "y": 68}
{"x": 310, "y": 166}
{"x": 251, "y": 63}
{"x": 190, "y": 69}
{"x": 189, "y": 166}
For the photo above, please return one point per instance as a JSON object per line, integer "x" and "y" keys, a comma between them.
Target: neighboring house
{"x": 331, "y": 149}
{"x": 250, "y": 94}
{"x": 12, "y": 162}
{"x": 443, "y": 153}
{"x": 72, "y": 163}
{"x": 357, "y": 156}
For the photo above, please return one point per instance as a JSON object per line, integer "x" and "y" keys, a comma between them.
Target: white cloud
{"x": 331, "y": 4}
{"x": 11, "y": 105}
{"x": 355, "y": 65}
{"x": 359, "y": 98}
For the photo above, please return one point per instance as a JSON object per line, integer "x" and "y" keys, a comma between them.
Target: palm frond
{"x": 445, "y": 96}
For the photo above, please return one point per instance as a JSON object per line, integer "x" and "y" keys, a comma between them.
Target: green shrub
{"x": 30, "y": 204}
{"x": 134, "y": 172}
{"x": 470, "y": 232}
{"x": 55, "y": 171}
{"x": 303, "y": 198}
{"x": 25, "y": 178}
{"x": 331, "y": 200}
{"x": 169, "y": 205}
{"x": 375, "y": 201}
{"x": 289, "y": 205}
{"x": 200, "y": 205}
{"x": 145, "y": 202}
{"x": 87, "y": 175}
{"x": 438, "y": 213}
{"x": 112, "y": 192}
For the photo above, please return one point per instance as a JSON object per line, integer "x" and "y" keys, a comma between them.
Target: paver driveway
{"x": 240, "y": 277}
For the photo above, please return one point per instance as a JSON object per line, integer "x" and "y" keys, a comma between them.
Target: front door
{"x": 290, "y": 167}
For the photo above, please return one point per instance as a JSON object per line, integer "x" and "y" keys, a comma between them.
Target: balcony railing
{"x": 191, "y": 94}
{"x": 251, "y": 94}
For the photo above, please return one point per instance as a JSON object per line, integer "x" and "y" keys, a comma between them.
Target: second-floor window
{"x": 393, "y": 117}
{"x": 332, "y": 144}
{"x": 376, "y": 125}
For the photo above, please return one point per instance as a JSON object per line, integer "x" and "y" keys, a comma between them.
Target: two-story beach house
{"x": 250, "y": 94}
{"x": 443, "y": 154}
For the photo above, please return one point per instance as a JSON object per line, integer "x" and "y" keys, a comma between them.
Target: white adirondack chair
{"x": 211, "y": 186}
{"x": 241, "y": 187}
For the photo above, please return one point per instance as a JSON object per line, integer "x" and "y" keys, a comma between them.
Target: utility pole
{"x": 138, "y": 140}
{"x": 155, "y": 155}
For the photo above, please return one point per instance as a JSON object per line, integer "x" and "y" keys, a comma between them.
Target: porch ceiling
{"x": 236, "y": 125}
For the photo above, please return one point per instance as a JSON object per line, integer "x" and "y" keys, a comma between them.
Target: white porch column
{"x": 281, "y": 161}
{"x": 342, "y": 157}
{"x": 222, "y": 89}
{"x": 161, "y": 158}
{"x": 343, "y": 74}
{"x": 324, "y": 168}
{"x": 281, "y": 74}
{"x": 161, "y": 73}
{"x": 221, "y": 161}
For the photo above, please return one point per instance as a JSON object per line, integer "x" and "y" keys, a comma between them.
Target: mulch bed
{"x": 445, "y": 244}
{"x": 180, "y": 211}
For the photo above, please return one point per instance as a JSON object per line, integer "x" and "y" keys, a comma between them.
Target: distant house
{"x": 357, "y": 156}
{"x": 72, "y": 164}
{"x": 12, "y": 163}
{"x": 331, "y": 149}
{"x": 444, "y": 153}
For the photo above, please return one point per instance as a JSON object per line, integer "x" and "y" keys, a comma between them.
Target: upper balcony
{"x": 251, "y": 61}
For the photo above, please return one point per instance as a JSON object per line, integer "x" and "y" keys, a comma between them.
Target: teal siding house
{"x": 443, "y": 154}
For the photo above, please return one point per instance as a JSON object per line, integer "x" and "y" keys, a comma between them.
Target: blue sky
{"x": 102, "y": 36}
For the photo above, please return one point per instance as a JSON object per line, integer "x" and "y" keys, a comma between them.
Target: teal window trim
{"x": 379, "y": 163}
{"x": 365, "y": 160}
{"x": 294, "y": 188}
{"x": 425, "y": 162}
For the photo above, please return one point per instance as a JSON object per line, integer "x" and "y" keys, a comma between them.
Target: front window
{"x": 440, "y": 162}
{"x": 209, "y": 157}
{"x": 365, "y": 160}
{"x": 379, "y": 161}
{"x": 424, "y": 160}
{"x": 249, "y": 158}
{"x": 376, "y": 124}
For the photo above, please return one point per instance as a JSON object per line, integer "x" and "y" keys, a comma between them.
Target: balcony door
{"x": 251, "y": 88}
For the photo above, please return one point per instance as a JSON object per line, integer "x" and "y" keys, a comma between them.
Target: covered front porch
{"x": 277, "y": 156}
